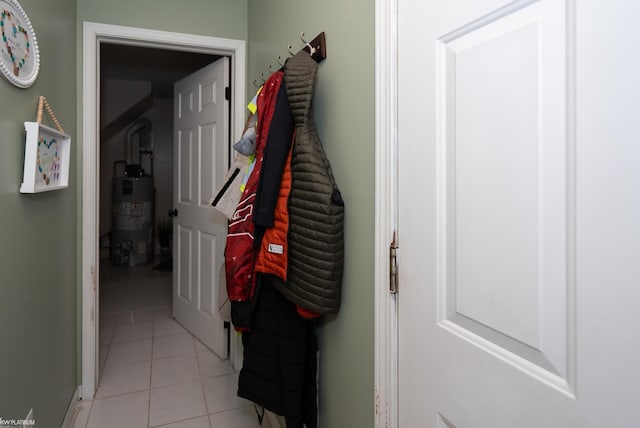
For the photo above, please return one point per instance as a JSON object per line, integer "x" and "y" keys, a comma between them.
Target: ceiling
{"x": 161, "y": 67}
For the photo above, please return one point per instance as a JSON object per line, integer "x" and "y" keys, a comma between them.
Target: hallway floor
{"x": 153, "y": 373}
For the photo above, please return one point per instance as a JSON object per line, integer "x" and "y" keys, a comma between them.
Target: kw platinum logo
{"x": 17, "y": 422}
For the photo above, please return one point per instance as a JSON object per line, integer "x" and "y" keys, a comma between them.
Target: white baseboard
{"x": 72, "y": 410}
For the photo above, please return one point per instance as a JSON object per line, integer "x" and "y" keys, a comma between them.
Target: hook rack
{"x": 317, "y": 48}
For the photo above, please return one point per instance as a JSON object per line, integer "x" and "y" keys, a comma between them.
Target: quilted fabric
{"x": 316, "y": 208}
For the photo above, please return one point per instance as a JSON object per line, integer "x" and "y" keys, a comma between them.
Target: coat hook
{"x": 289, "y": 49}
{"x": 262, "y": 77}
{"x": 255, "y": 83}
{"x": 312, "y": 50}
{"x": 279, "y": 61}
{"x": 269, "y": 67}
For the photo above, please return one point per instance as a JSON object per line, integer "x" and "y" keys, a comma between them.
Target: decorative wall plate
{"x": 19, "y": 56}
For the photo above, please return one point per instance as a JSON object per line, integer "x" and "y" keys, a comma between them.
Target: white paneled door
{"x": 519, "y": 222}
{"x": 200, "y": 156}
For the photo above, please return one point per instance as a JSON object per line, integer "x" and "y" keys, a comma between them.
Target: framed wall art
{"x": 46, "y": 154}
{"x": 46, "y": 159}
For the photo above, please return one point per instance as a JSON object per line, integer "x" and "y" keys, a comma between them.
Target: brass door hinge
{"x": 393, "y": 265}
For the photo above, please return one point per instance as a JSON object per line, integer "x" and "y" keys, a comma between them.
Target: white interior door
{"x": 519, "y": 224}
{"x": 201, "y": 153}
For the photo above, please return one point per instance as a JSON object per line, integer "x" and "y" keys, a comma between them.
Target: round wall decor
{"x": 19, "y": 55}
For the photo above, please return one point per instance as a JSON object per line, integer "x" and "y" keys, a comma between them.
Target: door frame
{"x": 93, "y": 35}
{"x": 386, "y": 210}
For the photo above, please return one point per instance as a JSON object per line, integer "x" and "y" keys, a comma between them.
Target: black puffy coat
{"x": 280, "y": 359}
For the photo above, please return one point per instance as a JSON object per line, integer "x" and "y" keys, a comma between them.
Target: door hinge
{"x": 227, "y": 93}
{"x": 393, "y": 265}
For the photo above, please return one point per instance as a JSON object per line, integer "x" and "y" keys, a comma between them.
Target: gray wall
{"x": 38, "y": 236}
{"x": 344, "y": 110}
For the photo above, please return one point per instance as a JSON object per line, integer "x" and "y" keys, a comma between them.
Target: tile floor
{"x": 153, "y": 373}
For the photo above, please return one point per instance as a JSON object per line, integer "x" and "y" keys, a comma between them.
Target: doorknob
{"x": 173, "y": 212}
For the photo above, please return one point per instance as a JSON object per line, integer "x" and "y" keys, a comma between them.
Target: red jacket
{"x": 240, "y": 251}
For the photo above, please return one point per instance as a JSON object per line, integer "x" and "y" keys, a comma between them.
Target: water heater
{"x": 133, "y": 204}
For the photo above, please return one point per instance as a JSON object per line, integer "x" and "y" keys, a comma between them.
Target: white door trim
{"x": 93, "y": 35}
{"x": 386, "y": 219}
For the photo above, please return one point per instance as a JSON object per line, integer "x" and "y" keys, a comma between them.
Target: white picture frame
{"x": 46, "y": 159}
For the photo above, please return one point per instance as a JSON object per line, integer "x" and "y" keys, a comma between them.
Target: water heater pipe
{"x": 142, "y": 126}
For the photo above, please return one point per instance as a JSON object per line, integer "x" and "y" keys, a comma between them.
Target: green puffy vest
{"x": 316, "y": 208}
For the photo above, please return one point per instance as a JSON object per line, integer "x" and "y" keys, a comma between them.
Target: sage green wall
{"x": 38, "y": 236}
{"x": 219, "y": 18}
{"x": 344, "y": 110}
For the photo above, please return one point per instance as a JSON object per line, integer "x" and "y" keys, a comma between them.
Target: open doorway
{"x": 97, "y": 36}
{"x": 136, "y": 198}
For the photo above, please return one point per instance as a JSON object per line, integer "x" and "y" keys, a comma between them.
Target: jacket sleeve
{"x": 275, "y": 155}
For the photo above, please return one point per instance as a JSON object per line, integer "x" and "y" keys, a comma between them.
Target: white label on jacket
{"x": 277, "y": 249}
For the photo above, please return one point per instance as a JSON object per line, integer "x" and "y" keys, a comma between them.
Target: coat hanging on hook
{"x": 317, "y": 48}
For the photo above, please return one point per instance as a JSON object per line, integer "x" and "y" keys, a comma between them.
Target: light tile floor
{"x": 154, "y": 373}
